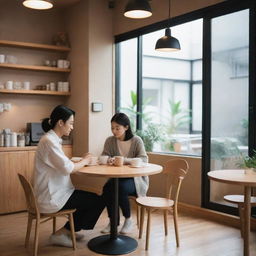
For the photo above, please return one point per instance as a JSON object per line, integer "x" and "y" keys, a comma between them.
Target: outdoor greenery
{"x": 178, "y": 117}
{"x": 150, "y": 133}
{"x": 249, "y": 162}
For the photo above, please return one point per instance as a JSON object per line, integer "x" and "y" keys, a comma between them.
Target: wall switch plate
{"x": 97, "y": 107}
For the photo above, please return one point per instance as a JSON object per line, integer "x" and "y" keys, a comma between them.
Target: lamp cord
{"x": 169, "y": 1}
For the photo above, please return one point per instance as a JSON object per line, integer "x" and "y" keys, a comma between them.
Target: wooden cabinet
{"x": 12, "y": 162}
{"x": 40, "y": 68}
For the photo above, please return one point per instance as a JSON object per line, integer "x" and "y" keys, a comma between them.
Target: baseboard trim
{"x": 219, "y": 217}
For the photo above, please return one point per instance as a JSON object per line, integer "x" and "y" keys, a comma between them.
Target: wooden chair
{"x": 133, "y": 198}
{"x": 239, "y": 200}
{"x": 33, "y": 213}
{"x": 175, "y": 171}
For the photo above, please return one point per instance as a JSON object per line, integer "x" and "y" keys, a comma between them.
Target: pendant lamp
{"x": 137, "y": 9}
{"x": 168, "y": 43}
{"x": 38, "y": 4}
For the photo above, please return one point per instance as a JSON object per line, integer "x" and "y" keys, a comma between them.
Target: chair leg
{"x": 71, "y": 223}
{"x": 165, "y": 222}
{"x": 53, "y": 225}
{"x": 175, "y": 219}
{"x": 142, "y": 212}
{"x": 241, "y": 214}
{"x": 37, "y": 226}
{"x": 148, "y": 228}
{"x": 30, "y": 219}
{"x": 138, "y": 215}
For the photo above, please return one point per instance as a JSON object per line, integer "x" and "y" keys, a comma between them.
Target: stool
{"x": 239, "y": 200}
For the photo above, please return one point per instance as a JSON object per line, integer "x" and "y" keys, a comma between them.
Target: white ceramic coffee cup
{"x": 103, "y": 159}
{"x": 9, "y": 85}
{"x": 2, "y": 58}
{"x": 66, "y": 63}
{"x": 118, "y": 160}
{"x": 93, "y": 160}
{"x": 26, "y": 85}
{"x": 136, "y": 162}
{"x": 60, "y": 63}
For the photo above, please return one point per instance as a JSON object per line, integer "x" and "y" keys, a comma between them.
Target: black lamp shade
{"x": 137, "y": 9}
{"x": 167, "y": 43}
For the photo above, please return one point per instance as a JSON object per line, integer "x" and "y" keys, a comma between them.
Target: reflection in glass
{"x": 229, "y": 98}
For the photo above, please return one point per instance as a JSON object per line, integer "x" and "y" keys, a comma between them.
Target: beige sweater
{"x": 136, "y": 150}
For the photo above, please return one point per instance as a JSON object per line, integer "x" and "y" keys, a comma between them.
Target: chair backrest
{"x": 175, "y": 171}
{"x": 30, "y": 195}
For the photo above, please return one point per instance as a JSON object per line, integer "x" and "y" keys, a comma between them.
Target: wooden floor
{"x": 198, "y": 237}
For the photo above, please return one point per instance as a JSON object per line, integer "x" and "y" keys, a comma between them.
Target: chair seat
{"x": 238, "y": 199}
{"x": 59, "y": 213}
{"x": 155, "y": 202}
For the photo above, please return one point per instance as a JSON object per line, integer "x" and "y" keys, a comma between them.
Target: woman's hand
{"x": 111, "y": 160}
{"x": 86, "y": 158}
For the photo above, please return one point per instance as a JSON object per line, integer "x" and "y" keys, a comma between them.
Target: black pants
{"x": 126, "y": 188}
{"x": 89, "y": 207}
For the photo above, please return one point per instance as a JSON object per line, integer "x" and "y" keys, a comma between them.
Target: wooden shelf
{"x": 34, "y": 68}
{"x": 35, "y": 92}
{"x": 46, "y": 47}
{"x": 26, "y": 148}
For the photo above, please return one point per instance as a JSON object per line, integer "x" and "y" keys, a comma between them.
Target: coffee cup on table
{"x": 136, "y": 162}
{"x": 103, "y": 159}
{"x": 118, "y": 160}
{"x": 93, "y": 160}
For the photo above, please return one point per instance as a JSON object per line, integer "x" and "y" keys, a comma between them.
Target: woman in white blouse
{"x": 53, "y": 187}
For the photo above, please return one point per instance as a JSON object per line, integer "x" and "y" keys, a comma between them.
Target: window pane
{"x": 128, "y": 79}
{"x": 229, "y": 116}
{"x": 167, "y": 82}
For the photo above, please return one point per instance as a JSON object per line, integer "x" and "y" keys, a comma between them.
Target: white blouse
{"x": 52, "y": 183}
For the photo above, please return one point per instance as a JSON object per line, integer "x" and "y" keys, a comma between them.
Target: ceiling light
{"x": 137, "y": 9}
{"x": 168, "y": 43}
{"x": 38, "y": 4}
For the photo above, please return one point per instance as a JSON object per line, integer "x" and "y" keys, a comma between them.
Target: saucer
{"x": 137, "y": 166}
{"x": 76, "y": 159}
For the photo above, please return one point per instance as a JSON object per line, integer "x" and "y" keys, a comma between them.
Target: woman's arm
{"x": 85, "y": 161}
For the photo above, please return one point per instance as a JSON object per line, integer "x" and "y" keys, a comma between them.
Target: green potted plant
{"x": 150, "y": 135}
{"x": 249, "y": 163}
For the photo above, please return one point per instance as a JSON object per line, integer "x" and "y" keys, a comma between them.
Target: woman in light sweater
{"x": 53, "y": 187}
{"x": 124, "y": 143}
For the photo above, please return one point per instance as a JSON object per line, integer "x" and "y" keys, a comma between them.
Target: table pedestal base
{"x": 106, "y": 245}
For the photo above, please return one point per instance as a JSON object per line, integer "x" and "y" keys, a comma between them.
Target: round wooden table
{"x": 115, "y": 244}
{"x": 238, "y": 177}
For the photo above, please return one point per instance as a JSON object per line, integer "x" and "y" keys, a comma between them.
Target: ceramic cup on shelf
{"x": 60, "y": 86}
{"x": 118, "y": 160}
{"x": 66, "y": 63}
{"x": 2, "y": 58}
{"x": 26, "y": 85}
{"x": 9, "y": 85}
{"x": 52, "y": 86}
{"x": 65, "y": 86}
{"x": 47, "y": 63}
{"x": 60, "y": 63}
{"x": 11, "y": 59}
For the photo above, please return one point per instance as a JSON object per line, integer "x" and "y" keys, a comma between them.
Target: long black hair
{"x": 59, "y": 113}
{"x": 123, "y": 119}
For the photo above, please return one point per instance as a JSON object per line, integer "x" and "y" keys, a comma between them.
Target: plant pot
{"x": 250, "y": 171}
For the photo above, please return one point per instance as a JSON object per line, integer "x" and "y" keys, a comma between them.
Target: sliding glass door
{"x": 229, "y": 97}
